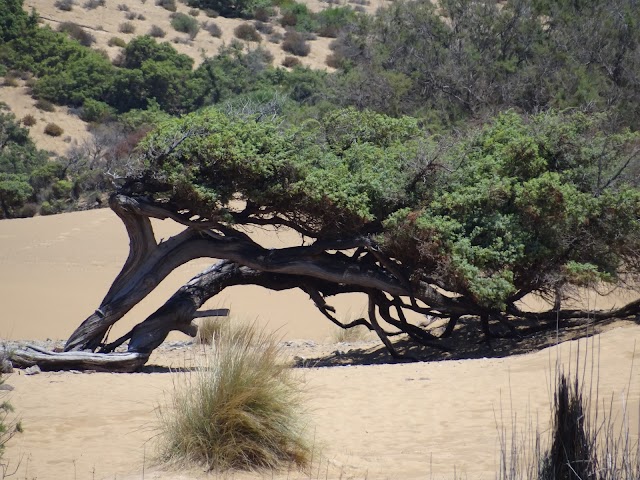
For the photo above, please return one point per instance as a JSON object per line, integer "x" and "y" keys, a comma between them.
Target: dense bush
{"x": 117, "y": 42}
{"x": 213, "y": 29}
{"x": 167, "y": 5}
{"x": 65, "y": 5}
{"x": 231, "y": 8}
{"x": 127, "y": 27}
{"x": 78, "y": 33}
{"x": 295, "y": 43}
{"x": 157, "y": 32}
{"x": 291, "y": 62}
{"x": 186, "y": 24}
{"x": 248, "y": 32}
{"x": 53, "y": 130}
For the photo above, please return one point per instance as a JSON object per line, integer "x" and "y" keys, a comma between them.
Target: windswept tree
{"x": 446, "y": 227}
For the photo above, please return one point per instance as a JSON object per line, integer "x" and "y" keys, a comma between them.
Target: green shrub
{"x": 186, "y": 24}
{"x": 45, "y": 105}
{"x": 117, "y": 42}
{"x": 64, "y": 5}
{"x": 29, "y": 120}
{"x": 167, "y": 5}
{"x": 263, "y": 14}
{"x": 62, "y": 189}
{"x": 123, "y": 7}
{"x": 47, "y": 208}
{"x": 127, "y": 27}
{"x": 239, "y": 409}
{"x": 248, "y": 32}
{"x": 92, "y": 4}
{"x": 211, "y": 13}
{"x": 78, "y": 33}
{"x": 95, "y": 111}
{"x": 213, "y": 29}
{"x": 194, "y": 12}
{"x": 332, "y": 20}
{"x": 295, "y": 43}
{"x": 53, "y": 130}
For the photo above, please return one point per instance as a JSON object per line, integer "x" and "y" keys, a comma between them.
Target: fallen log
{"x": 124, "y": 362}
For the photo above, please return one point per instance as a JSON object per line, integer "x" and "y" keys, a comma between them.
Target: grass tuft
{"x": 239, "y": 409}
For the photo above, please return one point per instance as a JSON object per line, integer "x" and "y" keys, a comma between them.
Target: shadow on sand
{"x": 468, "y": 342}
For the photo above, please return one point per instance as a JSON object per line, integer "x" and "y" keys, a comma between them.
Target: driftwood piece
{"x": 113, "y": 362}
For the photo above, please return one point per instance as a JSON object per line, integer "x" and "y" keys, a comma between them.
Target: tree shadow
{"x": 468, "y": 342}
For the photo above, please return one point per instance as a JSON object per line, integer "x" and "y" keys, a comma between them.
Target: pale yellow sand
{"x": 383, "y": 421}
{"x": 407, "y": 421}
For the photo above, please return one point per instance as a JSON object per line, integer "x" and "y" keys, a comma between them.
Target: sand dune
{"x": 381, "y": 421}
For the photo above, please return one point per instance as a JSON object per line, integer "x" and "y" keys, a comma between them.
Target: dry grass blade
{"x": 239, "y": 409}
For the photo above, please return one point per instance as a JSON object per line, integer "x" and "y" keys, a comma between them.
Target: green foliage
{"x": 95, "y": 111}
{"x": 14, "y": 192}
{"x": 186, "y": 24}
{"x": 231, "y": 8}
{"x": 522, "y": 205}
{"x": 332, "y": 20}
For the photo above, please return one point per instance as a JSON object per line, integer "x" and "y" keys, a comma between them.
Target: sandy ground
{"x": 378, "y": 421}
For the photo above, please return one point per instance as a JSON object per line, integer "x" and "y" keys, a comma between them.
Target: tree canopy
{"x": 463, "y": 225}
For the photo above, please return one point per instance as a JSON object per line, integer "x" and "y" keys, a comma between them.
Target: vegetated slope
{"x": 22, "y": 104}
{"x": 104, "y": 25}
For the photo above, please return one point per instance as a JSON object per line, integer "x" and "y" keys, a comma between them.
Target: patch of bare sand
{"x": 409, "y": 421}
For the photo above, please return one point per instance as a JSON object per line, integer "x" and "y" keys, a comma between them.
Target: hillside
{"x": 105, "y": 22}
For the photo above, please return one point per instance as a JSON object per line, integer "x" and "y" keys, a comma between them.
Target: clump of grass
{"x": 358, "y": 333}
{"x": 53, "y": 130}
{"x": 7, "y": 428}
{"x": 157, "y": 32}
{"x": 209, "y": 329}
{"x": 127, "y": 27}
{"x": 584, "y": 442}
{"x": 240, "y": 409}
{"x": 29, "y": 120}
